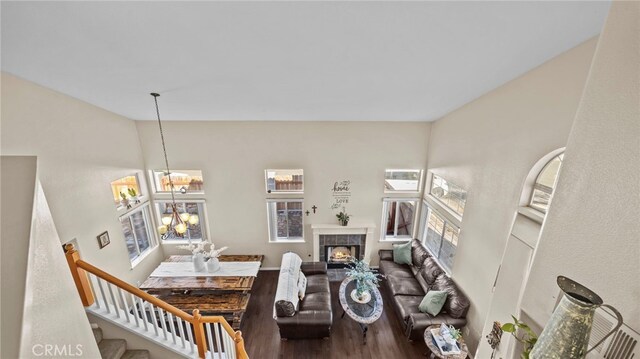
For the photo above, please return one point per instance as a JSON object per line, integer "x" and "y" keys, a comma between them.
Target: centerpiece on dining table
{"x": 205, "y": 256}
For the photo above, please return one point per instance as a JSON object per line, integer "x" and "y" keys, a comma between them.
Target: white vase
{"x": 365, "y": 298}
{"x": 213, "y": 265}
{"x": 198, "y": 263}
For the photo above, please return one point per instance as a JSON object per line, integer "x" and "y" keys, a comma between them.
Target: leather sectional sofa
{"x": 408, "y": 284}
{"x": 313, "y": 316}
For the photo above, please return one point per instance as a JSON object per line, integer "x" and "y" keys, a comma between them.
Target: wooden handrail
{"x": 79, "y": 269}
{"x": 237, "y": 336}
{"x": 135, "y": 291}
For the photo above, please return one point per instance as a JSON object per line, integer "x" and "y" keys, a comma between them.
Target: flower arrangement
{"x": 366, "y": 278}
{"x": 343, "y": 217}
{"x": 201, "y": 248}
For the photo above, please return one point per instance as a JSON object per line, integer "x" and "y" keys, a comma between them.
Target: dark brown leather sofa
{"x": 408, "y": 284}
{"x": 314, "y": 316}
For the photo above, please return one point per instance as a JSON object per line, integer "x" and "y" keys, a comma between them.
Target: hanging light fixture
{"x": 175, "y": 223}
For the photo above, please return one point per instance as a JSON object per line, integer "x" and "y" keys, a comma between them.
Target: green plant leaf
{"x": 508, "y": 327}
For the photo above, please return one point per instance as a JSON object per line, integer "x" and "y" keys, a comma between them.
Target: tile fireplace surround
{"x": 334, "y": 234}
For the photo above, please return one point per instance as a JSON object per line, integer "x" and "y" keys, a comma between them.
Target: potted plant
{"x": 125, "y": 200}
{"x": 197, "y": 250}
{"x": 213, "y": 263}
{"x": 204, "y": 259}
{"x": 343, "y": 217}
{"x": 528, "y": 337}
{"x": 456, "y": 334}
{"x": 133, "y": 195}
{"x": 365, "y": 278}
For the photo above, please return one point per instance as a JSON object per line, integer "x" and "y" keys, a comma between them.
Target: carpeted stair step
{"x": 112, "y": 348}
{"x": 97, "y": 333}
{"x": 136, "y": 354}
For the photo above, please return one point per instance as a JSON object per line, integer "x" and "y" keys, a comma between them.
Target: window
{"x": 285, "y": 220}
{"x": 284, "y": 181}
{"x": 439, "y": 236}
{"x": 402, "y": 180}
{"x": 545, "y": 184}
{"x": 136, "y": 226}
{"x": 196, "y": 231}
{"x": 397, "y": 218}
{"x": 447, "y": 193}
{"x": 125, "y": 190}
{"x": 184, "y": 181}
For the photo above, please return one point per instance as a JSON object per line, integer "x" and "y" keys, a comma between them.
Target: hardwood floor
{"x": 385, "y": 338}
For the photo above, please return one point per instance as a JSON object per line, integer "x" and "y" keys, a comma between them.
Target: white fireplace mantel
{"x": 365, "y": 228}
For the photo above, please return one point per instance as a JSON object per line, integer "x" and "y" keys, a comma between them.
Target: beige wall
{"x": 488, "y": 147}
{"x": 80, "y": 149}
{"x": 234, "y": 155}
{"x": 18, "y": 187}
{"x": 53, "y": 313}
{"x": 36, "y": 310}
{"x": 592, "y": 232}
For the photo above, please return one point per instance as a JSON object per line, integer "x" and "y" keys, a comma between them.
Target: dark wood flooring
{"x": 385, "y": 338}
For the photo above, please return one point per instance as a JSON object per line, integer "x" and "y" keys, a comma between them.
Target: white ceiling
{"x": 378, "y": 61}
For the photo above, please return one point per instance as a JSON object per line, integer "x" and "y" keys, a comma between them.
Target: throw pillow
{"x": 302, "y": 285}
{"x": 402, "y": 253}
{"x": 433, "y": 302}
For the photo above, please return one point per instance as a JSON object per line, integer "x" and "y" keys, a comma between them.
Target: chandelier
{"x": 175, "y": 223}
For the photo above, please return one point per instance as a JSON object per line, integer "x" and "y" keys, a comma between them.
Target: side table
{"x": 435, "y": 352}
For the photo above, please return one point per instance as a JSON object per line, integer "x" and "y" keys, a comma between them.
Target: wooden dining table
{"x": 227, "y": 296}
{"x": 165, "y": 285}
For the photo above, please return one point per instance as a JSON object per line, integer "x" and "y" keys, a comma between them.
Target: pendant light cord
{"x": 164, "y": 148}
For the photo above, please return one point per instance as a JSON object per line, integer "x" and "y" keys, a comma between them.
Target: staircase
{"x": 120, "y": 303}
{"x": 116, "y": 348}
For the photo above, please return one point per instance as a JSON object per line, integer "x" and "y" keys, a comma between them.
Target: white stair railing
{"x": 191, "y": 335}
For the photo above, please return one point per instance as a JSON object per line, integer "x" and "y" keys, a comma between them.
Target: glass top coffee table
{"x": 363, "y": 313}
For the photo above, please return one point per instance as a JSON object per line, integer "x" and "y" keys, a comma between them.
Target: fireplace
{"x": 338, "y": 250}
{"x": 353, "y": 238}
{"x": 339, "y": 256}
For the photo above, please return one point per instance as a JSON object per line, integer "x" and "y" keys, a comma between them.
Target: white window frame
{"x": 427, "y": 207}
{"x": 420, "y": 180}
{"x": 272, "y": 221}
{"x": 160, "y": 193}
{"x": 151, "y": 234}
{"x": 204, "y": 224}
{"x": 543, "y": 188}
{"x": 266, "y": 181}
{"x": 141, "y": 196}
{"x": 385, "y": 217}
{"x": 443, "y": 206}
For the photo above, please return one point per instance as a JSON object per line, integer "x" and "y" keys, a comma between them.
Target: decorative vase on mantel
{"x": 198, "y": 263}
{"x": 213, "y": 265}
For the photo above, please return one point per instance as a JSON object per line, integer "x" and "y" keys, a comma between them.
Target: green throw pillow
{"x": 402, "y": 253}
{"x": 433, "y": 302}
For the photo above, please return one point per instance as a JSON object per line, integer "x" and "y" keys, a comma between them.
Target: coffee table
{"x": 435, "y": 352}
{"x": 363, "y": 313}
